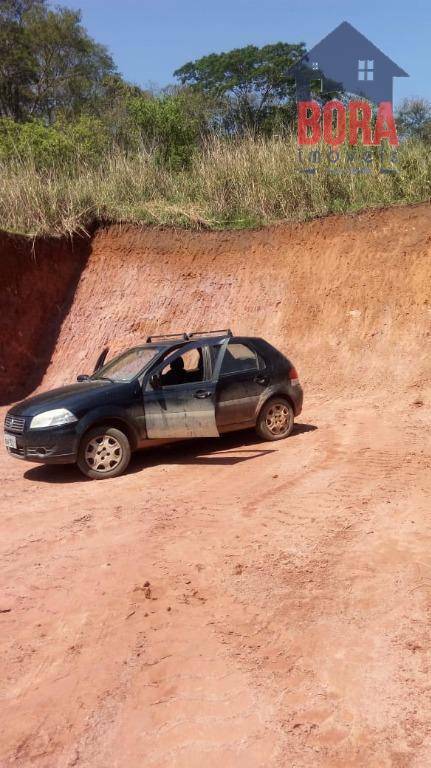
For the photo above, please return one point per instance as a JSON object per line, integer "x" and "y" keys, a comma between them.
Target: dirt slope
{"x": 37, "y": 283}
{"x": 348, "y": 297}
{"x": 349, "y": 291}
{"x": 229, "y": 602}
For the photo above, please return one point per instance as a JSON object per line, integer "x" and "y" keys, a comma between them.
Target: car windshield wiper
{"x": 105, "y": 378}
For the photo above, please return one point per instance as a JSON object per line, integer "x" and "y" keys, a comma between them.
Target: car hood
{"x": 75, "y": 397}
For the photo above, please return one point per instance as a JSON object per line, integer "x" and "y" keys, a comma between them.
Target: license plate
{"x": 10, "y": 441}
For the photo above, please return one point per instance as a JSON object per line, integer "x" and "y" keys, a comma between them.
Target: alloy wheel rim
{"x": 103, "y": 453}
{"x": 278, "y": 419}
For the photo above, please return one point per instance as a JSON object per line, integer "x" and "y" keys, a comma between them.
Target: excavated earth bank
{"x": 347, "y": 297}
{"x": 37, "y": 283}
{"x": 286, "y": 619}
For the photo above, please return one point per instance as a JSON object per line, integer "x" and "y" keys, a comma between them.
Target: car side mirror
{"x": 82, "y": 377}
{"x": 155, "y": 381}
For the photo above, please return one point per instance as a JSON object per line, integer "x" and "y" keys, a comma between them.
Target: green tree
{"x": 254, "y": 81}
{"x": 168, "y": 126}
{"x": 414, "y": 118}
{"x": 48, "y": 62}
{"x": 112, "y": 107}
{"x": 17, "y": 64}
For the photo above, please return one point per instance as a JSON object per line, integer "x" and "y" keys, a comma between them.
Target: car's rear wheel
{"x": 275, "y": 420}
{"x": 104, "y": 452}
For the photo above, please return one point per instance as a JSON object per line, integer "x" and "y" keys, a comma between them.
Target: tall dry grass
{"x": 232, "y": 183}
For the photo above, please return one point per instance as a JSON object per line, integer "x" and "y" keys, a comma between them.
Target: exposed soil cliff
{"x": 37, "y": 285}
{"x": 346, "y": 297}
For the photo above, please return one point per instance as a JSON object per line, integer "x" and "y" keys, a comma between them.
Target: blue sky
{"x": 149, "y": 39}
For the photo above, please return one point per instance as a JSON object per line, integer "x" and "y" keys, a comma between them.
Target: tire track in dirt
{"x": 274, "y": 634}
{"x": 321, "y": 597}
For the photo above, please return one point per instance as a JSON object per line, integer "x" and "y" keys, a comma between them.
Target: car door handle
{"x": 201, "y": 394}
{"x": 261, "y": 380}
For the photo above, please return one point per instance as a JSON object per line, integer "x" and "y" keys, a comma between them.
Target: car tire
{"x": 275, "y": 420}
{"x": 104, "y": 452}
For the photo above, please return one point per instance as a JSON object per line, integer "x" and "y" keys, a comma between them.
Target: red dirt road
{"x": 227, "y": 602}
{"x": 287, "y": 618}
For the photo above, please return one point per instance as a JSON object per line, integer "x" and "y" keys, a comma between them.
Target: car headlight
{"x": 55, "y": 418}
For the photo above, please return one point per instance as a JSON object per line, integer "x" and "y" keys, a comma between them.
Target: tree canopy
{"x": 414, "y": 118}
{"x": 254, "y": 80}
{"x": 48, "y": 62}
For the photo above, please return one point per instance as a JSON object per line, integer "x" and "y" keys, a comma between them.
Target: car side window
{"x": 238, "y": 358}
{"x": 184, "y": 368}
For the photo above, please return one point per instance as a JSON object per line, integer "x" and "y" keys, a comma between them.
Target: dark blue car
{"x": 171, "y": 387}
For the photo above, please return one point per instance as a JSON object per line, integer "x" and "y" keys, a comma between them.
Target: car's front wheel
{"x": 275, "y": 420}
{"x": 104, "y": 452}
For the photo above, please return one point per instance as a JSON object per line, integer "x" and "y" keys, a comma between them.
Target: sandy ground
{"x": 226, "y": 603}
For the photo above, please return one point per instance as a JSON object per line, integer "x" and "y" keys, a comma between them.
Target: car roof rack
{"x": 188, "y": 336}
{"x": 181, "y": 336}
{"x": 221, "y": 332}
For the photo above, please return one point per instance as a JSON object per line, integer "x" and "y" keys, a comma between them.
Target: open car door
{"x": 184, "y": 409}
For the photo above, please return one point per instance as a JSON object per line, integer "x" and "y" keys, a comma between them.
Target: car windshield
{"x": 126, "y": 366}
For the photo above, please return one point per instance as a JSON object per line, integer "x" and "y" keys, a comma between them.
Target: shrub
{"x": 166, "y": 128}
{"x": 49, "y": 146}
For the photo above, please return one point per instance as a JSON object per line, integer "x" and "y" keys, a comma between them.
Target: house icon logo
{"x": 345, "y": 61}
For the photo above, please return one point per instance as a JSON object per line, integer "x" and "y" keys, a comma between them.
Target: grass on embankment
{"x": 229, "y": 184}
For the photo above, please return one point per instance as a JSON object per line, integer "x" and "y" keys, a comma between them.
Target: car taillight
{"x": 293, "y": 376}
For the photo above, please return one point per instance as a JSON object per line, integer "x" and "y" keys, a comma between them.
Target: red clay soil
{"x": 340, "y": 295}
{"x": 37, "y": 283}
{"x": 233, "y": 602}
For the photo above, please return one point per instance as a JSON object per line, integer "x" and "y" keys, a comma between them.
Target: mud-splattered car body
{"x": 187, "y": 386}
